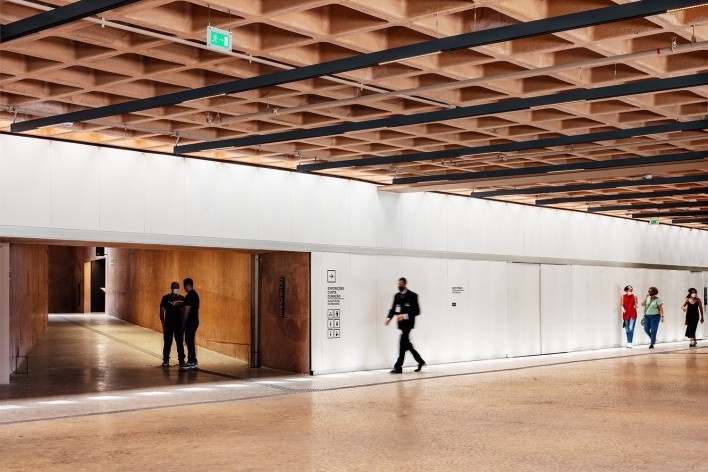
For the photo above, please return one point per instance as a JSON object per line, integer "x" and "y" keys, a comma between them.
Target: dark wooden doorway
{"x": 98, "y": 286}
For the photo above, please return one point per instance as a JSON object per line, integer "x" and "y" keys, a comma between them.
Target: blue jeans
{"x": 629, "y": 327}
{"x": 651, "y": 326}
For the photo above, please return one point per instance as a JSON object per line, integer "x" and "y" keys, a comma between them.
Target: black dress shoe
{"x": 420, "y": 366}
{"x": 397, "y": 371}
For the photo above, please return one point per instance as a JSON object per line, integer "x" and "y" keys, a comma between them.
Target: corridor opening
{"x": 105, "y": 329}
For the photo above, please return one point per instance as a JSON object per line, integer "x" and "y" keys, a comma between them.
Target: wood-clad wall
{"x": 68, "y": 288}
{"x": 136, "y": 280}
{"x": 285, "y": 341}
{"x": 29, "y": 297}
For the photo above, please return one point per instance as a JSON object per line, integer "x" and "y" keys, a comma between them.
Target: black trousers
{"x": 190, "y": 333}
{"x": 172, "y": 329}
{"x": 406, "y": 345}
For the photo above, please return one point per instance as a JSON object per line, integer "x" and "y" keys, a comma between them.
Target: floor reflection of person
{"x": 171, "y": 319}
{"x": 693, "y": 308}
{"x": 405, "y": 308}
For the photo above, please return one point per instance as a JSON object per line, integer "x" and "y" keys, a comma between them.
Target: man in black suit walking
{"x": 405, "y": 308}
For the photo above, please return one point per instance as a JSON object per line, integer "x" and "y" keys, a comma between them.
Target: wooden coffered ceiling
{"x": 155, "y": 47}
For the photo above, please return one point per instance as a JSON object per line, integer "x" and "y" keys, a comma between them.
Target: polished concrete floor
{"x": 615, "y": 409}
{"x": 98, "y": 353}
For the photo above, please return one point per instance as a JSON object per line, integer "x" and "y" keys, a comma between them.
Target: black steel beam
{"x": 57, "y": 17}
{"x": 510, "y": 147}
{"x": 670, "y": 214}
{"x": 648, "y": 206}
{"x": 623, "y": 196}
{"x": 680, "y": 221}
{"x": 587, "y": 187}
{"x": 540, "y": 170}
{"x": 636, "y": 88}
{"x": 462, "y": 41}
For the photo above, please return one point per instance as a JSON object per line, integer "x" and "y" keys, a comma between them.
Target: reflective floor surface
{"x": 615, "y": 409}
{"x": 98, "y": 353}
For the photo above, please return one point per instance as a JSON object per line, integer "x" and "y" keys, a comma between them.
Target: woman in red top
{"x": 629, "y": 304}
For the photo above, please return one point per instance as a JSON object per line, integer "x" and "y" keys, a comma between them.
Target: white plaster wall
{"x": 59, "y": 190}
{"x": 506, "y": 309}
{"x": 70, "y": 191}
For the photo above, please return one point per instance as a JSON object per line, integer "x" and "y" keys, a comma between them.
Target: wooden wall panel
{"x": 29, "y": 297}
{"x": 136, "y": 280}
{"x": 82, "y": 276}
{"x": 285, "y": 341}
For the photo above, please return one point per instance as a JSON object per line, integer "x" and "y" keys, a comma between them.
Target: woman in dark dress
{"x": 693, "y": 308}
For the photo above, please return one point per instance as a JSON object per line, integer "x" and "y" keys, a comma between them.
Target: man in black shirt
{"x": 171, "y": 318}
{"x": 191, "y": 322}
{"x": 405, "y": 308}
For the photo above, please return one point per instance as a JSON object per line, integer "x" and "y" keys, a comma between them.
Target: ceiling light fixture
{"x": 564, "y": 170}
{"x": 205, "y": 98}
{"x": 409, "y": 58}
{"x": 558, "y": 104}
{"x": 687, "y": 8}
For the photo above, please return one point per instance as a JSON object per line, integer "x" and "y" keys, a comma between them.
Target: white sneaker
{"x": 629, "y": 346}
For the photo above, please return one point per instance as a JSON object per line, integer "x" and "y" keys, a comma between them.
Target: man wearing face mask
{"x": 405, "y": 308}
{"x": 171, "y": 319}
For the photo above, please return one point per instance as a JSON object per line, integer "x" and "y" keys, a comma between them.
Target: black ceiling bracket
{"x": 540, "y": 170}
{"x": 58, "y": 16}
{"x": 511, "y": 147}
{"x": 562, "y": 189}
{"x": 506, "y": 106}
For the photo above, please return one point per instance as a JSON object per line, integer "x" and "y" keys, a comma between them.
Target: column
{"x": 4, "y": 313}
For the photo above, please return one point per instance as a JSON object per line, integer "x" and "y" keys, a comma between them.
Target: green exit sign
{"x": 654, "y": 221}
{"x": 218, "y": 39}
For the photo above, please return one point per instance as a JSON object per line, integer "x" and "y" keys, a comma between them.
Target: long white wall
{"x": 59, "y": 190}
{"x": 503, "y": 310}
{"x": 68, "y": 191}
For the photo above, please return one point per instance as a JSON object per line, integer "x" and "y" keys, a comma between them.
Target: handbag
{"x": 646, "y": 307}
{"x": 624, "y": 323}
